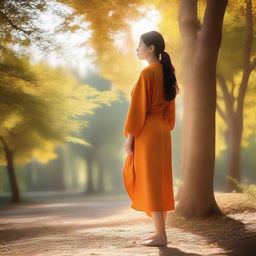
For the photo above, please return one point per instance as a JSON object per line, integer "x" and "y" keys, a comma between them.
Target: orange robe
{"x": 147, "y": 172}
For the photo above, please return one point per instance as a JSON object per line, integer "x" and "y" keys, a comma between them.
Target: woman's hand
{"x": 129, "y": 144}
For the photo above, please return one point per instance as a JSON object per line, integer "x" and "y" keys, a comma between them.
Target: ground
{"x": 67, "y": 225}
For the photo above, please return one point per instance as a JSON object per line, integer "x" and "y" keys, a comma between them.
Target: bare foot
{"x": 149, "y": 238}
{"x": 157, "y": 241}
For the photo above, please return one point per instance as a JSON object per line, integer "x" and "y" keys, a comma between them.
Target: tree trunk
{"x": 234, "y": 121}
{"x": 101, "y": 178}
{"x": 11, "y": 173}
{"x": 234, "y": 116}
{"x": 197, "y": 197}
{"x": 89, "y": 188}
{"x": 234, "y": 156}
{"x": 29, "y": 176}
{"x": 189, "y": 25}
{"x": 58, "y": 174}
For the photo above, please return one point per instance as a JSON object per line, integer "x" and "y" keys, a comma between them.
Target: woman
{"x": 147, "y": 169}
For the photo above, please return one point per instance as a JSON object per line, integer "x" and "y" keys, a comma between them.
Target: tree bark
{"x": 197, "y": 197}
{"x": 11, "y": 172}
{"x": 189, "y": 26}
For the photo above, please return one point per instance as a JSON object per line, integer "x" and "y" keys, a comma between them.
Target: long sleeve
{"x": 172, "y": 114}
{"x": 140, "y": 102}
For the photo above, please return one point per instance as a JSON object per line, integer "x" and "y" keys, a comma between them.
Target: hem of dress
{"x": 148, "y": 212}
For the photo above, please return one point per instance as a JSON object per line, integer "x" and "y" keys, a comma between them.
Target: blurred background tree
{"x": 236, "y": 82}
{"x": 39, "y": 106}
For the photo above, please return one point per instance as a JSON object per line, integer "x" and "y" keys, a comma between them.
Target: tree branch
{"x": 233, "y": 88}
{"x": 212, "y": 24}
{"x": 229, "y": 100}
{"x": 253, "y": 64}
{"x": 247, "y": 54}
{"x": 221, "y": 112}
{"x": 12, "y": 24}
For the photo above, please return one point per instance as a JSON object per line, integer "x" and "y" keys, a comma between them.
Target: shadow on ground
{"x": 230, "y": 234}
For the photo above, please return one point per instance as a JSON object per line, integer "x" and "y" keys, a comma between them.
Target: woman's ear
{"x": 152, "y": 48}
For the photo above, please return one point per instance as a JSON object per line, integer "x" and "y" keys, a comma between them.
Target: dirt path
{"x": 108, "y": 226}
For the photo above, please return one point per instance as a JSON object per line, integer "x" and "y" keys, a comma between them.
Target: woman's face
{"x": 143, "y": 51}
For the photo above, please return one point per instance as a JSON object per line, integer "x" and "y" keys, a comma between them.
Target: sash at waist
{"x": 162, "y": 111}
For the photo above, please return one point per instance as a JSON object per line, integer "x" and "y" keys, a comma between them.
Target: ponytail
{"x": 170, "y": 82}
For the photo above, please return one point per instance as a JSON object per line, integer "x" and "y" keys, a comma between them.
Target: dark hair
{"x": 170, "y": 82}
